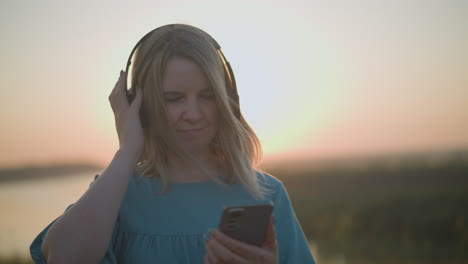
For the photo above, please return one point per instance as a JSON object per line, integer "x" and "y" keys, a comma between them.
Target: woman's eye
{"x": 172, "y": 99}
{"x": 208, "y": 95}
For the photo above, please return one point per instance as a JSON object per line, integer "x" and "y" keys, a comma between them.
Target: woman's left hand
{"x": 221, "y": 249}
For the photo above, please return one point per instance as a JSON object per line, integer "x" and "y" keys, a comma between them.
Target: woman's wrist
{"x": 129, "y": 154}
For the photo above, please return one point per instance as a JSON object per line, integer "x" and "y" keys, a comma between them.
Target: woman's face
{"x": 191, "y": 104}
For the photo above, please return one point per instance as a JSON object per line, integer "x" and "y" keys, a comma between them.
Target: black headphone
{"x": 230, "y": 85}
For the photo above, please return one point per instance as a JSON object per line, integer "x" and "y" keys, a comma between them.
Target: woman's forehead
{"x": 184, "y": 74}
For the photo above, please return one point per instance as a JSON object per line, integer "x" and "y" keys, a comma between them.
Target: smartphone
{"x": 247, "y": 223}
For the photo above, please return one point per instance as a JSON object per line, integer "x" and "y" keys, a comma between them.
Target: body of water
{"x": 27, "y": 207}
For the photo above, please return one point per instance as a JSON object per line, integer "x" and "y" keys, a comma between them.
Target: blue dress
{"x": 171, "y": 228}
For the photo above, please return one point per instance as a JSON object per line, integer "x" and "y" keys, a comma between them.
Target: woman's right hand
{"x": 127, "y": 117}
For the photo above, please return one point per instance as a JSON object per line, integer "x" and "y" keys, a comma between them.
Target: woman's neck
{"x": 187, "y": 170}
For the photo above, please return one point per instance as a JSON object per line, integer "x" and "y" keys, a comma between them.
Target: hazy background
{"x": 316, "y": 79}
{"x": 357, "y": 82}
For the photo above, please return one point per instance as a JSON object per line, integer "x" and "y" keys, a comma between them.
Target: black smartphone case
{"x": 246, "y": 223}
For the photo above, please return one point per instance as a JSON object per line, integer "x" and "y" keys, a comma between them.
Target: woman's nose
{"x": 192, "y": 111}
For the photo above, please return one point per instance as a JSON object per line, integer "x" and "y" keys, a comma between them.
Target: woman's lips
{"x": 192, "y": 133}
{"x": 192, "y": 130}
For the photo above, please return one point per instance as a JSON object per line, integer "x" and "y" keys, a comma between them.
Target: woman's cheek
{"x": 213, "y": 111}
{"x": 174, "y": 113}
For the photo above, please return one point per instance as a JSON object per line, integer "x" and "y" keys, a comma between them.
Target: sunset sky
{"x": 316, "y": 78}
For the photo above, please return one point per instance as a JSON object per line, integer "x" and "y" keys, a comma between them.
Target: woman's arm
{"x": 82, "y": 234}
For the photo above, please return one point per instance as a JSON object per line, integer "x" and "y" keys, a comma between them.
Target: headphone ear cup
{"x": 131, "y": 93}
{"x": 229, "y": 89}
{"x": 131, "y": 97}
{"x": 232, "y": 89}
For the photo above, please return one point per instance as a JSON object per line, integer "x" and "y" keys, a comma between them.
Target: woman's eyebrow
{"x": 180, "y": 92}
{"x": 172, "y": 93}
{"x": 207, "y": 89}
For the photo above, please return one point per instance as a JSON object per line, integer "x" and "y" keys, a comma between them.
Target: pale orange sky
{"x": 317, "y": 79}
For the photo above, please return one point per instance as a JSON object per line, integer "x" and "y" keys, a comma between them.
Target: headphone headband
{"x": 229, "y": 75}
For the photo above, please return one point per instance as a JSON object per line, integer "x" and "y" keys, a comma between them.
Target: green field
{"x": 413, "y": 212}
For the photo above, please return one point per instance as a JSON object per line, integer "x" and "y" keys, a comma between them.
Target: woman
{"x": 184, "y": 152}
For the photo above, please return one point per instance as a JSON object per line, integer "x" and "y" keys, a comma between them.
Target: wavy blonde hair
{"x": 235, "y": 146}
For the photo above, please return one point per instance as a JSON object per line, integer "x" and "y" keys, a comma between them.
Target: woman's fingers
{"x": 210, "y": 257}
{"x": 206, "y": 260}
{"x": 127, "y": 119}
{"x": 224, "y": 249}
{"x": 270, "y": 244}
{"x": 217, "y": 253}
{"x": 253, "y": 254}
{"x": 117, "y": 97}
{"x": 136, "y": 103}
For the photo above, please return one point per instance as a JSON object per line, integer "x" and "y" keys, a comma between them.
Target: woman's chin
{"x": 196, "y": 149}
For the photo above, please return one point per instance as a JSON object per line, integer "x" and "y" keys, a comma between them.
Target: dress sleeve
{"x": 292, "y": 243}
{"x": 36, "y": 247}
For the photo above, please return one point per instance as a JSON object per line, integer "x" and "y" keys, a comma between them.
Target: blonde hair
{"x": 235, "y": 146}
